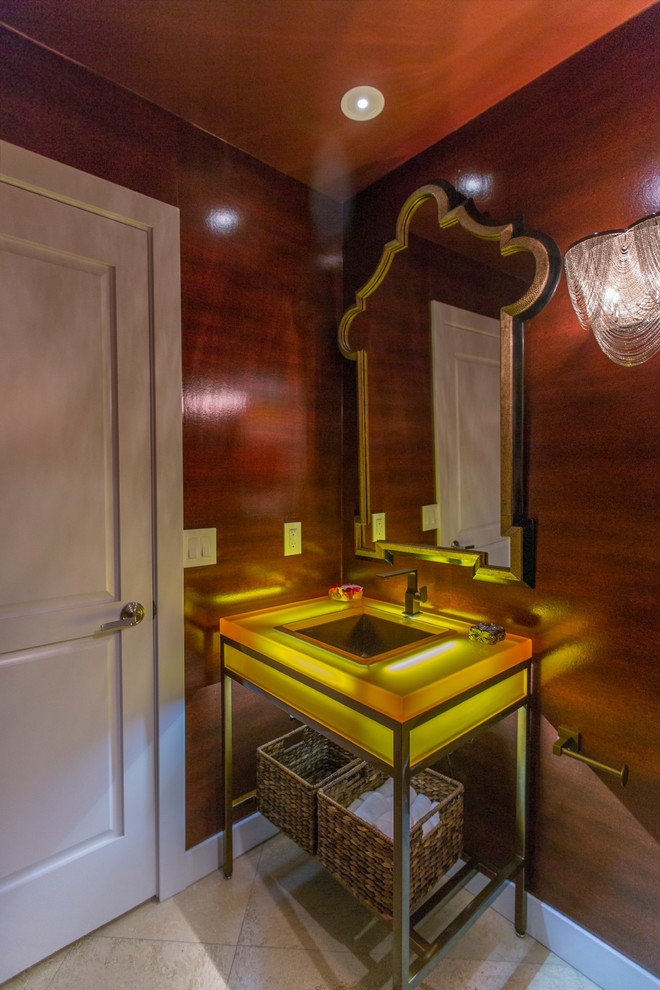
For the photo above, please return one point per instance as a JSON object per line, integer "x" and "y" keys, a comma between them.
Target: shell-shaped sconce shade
{"x": 614, "y": 283}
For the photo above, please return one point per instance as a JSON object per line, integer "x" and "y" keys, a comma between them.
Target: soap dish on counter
{"x": 345, "y": 592}
{"x": 487, "y": 632}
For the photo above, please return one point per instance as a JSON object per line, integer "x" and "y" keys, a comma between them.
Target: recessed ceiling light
{"x": 362, "y": 103}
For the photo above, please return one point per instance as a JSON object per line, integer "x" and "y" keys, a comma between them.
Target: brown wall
{"x": 261, "y": 370}
{"x": 574, "y": 152}
{"x": 262, "y": 384}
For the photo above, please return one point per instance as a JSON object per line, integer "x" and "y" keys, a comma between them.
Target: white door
{"x": 77, "y": 807}
{"x": 466, "y": 397}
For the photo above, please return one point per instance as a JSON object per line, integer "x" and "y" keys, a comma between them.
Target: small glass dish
{"x": 345, "y": 592}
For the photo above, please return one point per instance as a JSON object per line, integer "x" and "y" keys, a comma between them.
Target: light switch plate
{"x": 199, "y": 547}
{"x": 377, "y": 526}
{"x": 430, "y": 516}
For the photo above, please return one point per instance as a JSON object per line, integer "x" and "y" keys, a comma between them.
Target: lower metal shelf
{"x": 429, "y": 953}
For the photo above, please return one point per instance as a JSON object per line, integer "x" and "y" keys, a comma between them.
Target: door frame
{"x": 161, "y": 221}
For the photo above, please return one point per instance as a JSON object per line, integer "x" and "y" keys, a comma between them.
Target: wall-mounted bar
{"x": 568, "y": 743}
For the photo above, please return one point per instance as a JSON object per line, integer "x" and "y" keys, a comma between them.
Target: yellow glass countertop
{"x": 402, "y": 688}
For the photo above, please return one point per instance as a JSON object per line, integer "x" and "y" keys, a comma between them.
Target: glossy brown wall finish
{"x": 261, "y": 369}
{"x": 574, "y": 153}
{"x": 262, "y": 402}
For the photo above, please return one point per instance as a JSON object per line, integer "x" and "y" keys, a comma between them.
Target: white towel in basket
{"x": 377, "y": 809}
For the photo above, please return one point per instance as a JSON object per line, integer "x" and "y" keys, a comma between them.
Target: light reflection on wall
{"x": 568, "y": 659}
{"x": 648, "y": 194}
{"x": 248, "y": 596}
{"x": 475, "y": 184}
{"x": 222, "y": 220}
{"x": 209, "y": 402}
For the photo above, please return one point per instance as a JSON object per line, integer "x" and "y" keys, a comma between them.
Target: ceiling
{"x": 267, "y": 76}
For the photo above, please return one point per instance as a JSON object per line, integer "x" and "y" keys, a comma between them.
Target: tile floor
{"x": 281, "y": 923}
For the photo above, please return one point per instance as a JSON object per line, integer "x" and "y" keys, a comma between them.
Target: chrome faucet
{"x": 413, "y": 596}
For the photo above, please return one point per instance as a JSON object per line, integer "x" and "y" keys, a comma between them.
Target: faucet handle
{"x": 414, "y": 595}
{"x": 405, "y": 570}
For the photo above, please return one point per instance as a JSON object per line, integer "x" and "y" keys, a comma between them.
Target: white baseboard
{"x": 596, "y": 960}
{"x": 208, "y": 855}
{"x": 590, "y": 956}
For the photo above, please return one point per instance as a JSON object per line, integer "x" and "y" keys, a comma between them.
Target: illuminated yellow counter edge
{"x": 313, "y": 682}
{"x": 356, "y": 727}
{"x": 400, "y": 690}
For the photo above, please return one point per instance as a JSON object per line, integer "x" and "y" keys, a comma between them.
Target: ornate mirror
{"x": 437, "y": 335}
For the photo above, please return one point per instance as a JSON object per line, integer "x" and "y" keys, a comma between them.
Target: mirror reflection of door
{"x": 445, "y": 249}
{"x": 466, "y": 404}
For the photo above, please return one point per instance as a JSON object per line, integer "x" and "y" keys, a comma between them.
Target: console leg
{"x": 228, "y": 859}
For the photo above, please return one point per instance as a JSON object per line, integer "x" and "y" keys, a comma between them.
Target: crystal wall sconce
{"x": 614, "y": 283}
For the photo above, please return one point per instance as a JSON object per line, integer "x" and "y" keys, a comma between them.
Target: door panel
{"x": 466, "y": 384}
{"x": 76, "y": 704}
{"x": 51, "y": 735}
{"x": 67, "y": 326}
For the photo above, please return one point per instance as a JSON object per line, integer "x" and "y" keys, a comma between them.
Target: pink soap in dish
{"x": 345, "y": 592}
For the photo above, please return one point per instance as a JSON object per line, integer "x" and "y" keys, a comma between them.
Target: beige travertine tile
{"x": 491, "y": 937}
{"x": 296, "y": 969}
{"x": 135, "y": 964}
{"x": 455, "y": 974}
{"x": 297, "y": 930}
{"x": 267, "y": 968}
{"x": 294, "y": 903}
{"x": 38, "y": 977}
{"x": 564, "y": 976}
{"x": 211, "y": 910}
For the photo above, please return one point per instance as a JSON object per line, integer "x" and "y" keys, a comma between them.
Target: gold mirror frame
{"x": 453, "y": 208}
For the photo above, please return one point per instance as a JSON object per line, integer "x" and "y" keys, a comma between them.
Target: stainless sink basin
{"x": 363, "y": 634}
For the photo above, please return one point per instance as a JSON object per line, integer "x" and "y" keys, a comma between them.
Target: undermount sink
{"x": 363, "y": 634}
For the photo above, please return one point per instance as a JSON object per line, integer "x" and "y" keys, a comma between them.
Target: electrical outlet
{"x": 429, "y": 517}
{"x": 199, "y": 547}
{"x": 377, "y": 526}
{"x": 292, "y": 538}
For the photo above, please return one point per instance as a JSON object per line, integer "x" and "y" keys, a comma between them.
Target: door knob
{"x": 130, "y": 615}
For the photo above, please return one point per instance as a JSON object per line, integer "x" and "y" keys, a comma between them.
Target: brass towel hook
{"x": 568, "y": 744}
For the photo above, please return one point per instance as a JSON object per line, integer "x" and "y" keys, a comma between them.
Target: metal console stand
{"x": 407, "y": 973}
{"x": 228, "y": 859}
{"x": 407, "y": 942}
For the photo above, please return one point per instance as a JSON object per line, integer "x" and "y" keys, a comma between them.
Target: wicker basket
{"x": 290, "y": 771}
{"x": 361, "y": 857}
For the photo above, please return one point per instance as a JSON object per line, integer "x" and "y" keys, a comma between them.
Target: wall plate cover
{"x": 199, "y": 547}
{"x": 430, "y": 516}
{"x": 377, "y": 526}
{"x": 292, "y": 538}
